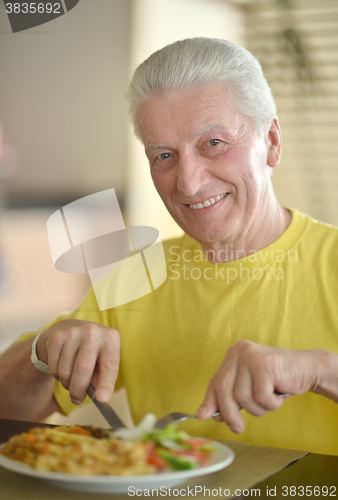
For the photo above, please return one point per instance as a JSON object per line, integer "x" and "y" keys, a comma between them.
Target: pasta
{"x": 75, "y": 450}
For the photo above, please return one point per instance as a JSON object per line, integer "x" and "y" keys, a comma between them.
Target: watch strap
{"x": 39, "y": 365}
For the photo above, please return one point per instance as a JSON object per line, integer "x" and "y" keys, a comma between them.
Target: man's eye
{"x": 163, "y": 161}
{"x": 214, "y": 142}
{"x": 213, "y": 148}
{"x": 164, "y": 156}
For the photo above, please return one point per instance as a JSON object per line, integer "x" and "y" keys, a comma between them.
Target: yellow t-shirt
{"x": 175, "y": 338}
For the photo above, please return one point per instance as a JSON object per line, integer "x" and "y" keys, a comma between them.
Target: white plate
{"x": 221, "y": 458}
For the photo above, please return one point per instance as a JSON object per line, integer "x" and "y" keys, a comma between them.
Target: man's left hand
{"x": 251, "y": 374}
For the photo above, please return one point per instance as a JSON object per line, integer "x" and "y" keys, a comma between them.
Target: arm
{"x": 251, "y": 373}
{"x": 77, "y": 352}
{"x": 25, "y": 392}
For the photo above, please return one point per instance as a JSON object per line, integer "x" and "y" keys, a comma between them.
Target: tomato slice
{"x": 154, "y": 458}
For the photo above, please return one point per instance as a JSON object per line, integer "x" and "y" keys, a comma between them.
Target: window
{"x": 307, "y": 178}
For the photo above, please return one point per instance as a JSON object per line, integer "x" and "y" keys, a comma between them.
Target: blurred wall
{"x": 62, "y": 102}
{"x": 32, "y": 291}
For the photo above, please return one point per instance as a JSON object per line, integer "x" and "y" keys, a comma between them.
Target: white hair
{"x": 197, "y": 62}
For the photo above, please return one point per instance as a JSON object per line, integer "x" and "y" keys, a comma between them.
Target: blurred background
{"x": 64, "y": 131}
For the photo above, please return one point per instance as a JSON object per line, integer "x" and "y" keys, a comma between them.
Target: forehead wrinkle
{"x": 208, "y": 128}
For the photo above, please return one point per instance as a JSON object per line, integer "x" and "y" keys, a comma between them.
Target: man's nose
{"x": 191, "y": 175}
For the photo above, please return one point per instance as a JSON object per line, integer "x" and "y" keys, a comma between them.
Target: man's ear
{"x": 274, "y": 144}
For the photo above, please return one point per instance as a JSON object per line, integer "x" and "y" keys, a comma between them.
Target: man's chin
{"x": 207, "y": 230}
{"x": 207, "y": 237}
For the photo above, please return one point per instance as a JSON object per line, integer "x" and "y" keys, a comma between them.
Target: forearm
{"x": 25, "y": 392}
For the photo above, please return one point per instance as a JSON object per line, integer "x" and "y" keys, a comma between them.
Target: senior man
{"x": 249, "y": 308}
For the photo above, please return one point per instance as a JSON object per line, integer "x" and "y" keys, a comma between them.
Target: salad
{"x": 176, "y": 449}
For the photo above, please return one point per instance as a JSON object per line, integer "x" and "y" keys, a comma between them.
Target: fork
{"x": 176, "y": 416}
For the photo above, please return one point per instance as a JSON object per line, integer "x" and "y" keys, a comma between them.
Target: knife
{"x": 106, "y": 410}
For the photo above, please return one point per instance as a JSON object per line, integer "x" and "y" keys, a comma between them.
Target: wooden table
{"x": 309, "y": 476}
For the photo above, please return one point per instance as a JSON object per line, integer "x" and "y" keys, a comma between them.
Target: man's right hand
{"x": 80, "y": 352}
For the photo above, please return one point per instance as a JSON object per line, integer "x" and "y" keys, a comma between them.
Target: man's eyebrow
{"x": 163, "y": 145}
{"x": 157, "y": 145}
{"x": 208, "y": 128}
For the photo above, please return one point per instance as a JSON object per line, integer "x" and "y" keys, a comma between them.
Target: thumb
{"x": 209, "y": 405}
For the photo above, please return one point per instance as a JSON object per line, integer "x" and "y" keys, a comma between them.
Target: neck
{"x": 263, "y": 230}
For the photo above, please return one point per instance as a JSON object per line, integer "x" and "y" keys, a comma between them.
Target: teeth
{"x": 207, "y": 203}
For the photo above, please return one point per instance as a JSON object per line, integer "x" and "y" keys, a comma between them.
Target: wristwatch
{"x": 40, "y": 365}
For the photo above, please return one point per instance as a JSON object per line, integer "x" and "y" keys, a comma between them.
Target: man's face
{"x": 208, "y": 164}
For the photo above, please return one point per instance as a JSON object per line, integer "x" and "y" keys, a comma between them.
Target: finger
{"x": 218, "y": 418}
{"x": 54, "y": 345}
{"x": 269, "y": 399}
{"x": 209, "y": 405}
{"x": 230, "y": 412}
{"x": 219, "y": 395}
{"x": 264, "y": 392}
{"x": 82, "y": 372}
{"x": 67, "y": 359}
{"x": 108, "y": 368}
{"x": 224, "y": 388}
{"x": 219, "y": 398}
{"x": 226, "y": 403}
{"x": 244, "y": 393}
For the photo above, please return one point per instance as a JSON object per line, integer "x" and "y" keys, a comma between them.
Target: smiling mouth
{"x": 207, "y": 203}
